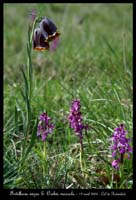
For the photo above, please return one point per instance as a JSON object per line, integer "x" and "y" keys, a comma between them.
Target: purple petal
{"x": 115, "y": 164}
{"x": 113, "y": 153}
{"x": 38, "y": 133}
{"x": 122, "y": 150}
{"x": 54, "y": 44}
{"x": 44, "y": 137}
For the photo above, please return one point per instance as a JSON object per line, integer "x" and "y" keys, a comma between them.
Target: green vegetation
{"x": 93, "y": 62}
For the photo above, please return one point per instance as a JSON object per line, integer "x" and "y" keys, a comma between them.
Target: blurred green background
{"x": 94, "y": 54}
{"x": 93, "y": 62}
{"x": 95, "y": 44}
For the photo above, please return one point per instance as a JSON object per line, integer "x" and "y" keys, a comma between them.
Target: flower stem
{"x": 44, "y": 156}
{"x": 82, "y": 161}
{"x": 45, "y": 150}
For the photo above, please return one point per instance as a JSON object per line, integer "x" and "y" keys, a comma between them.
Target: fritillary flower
{"x": 46, "y": 32}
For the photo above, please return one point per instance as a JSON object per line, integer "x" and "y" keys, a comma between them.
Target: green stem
{"x": 44, "y": 156}
{"x": 30, "y": 71}
{"x": 121, "y": 167}
{"x": 29, "y": 50}
{"x": 81, "y": 160}
{"x": 45, "y": 150}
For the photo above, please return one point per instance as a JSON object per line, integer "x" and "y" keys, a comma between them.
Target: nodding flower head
{"x": 46, "y": 32}
{"x": 39, "y": 43}
{"x": 45, "y": 127}
{"x": 49, "y": 29}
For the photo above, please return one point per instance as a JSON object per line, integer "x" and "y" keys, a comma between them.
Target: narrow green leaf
{"x": 19, "y": 106}
{"x": 23, "y": 95}
{"x": 109, "y": 46}
{"x": 25, "y": 82}
{"x": 32, "y": 141}
{"x": 16, "y": 121}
